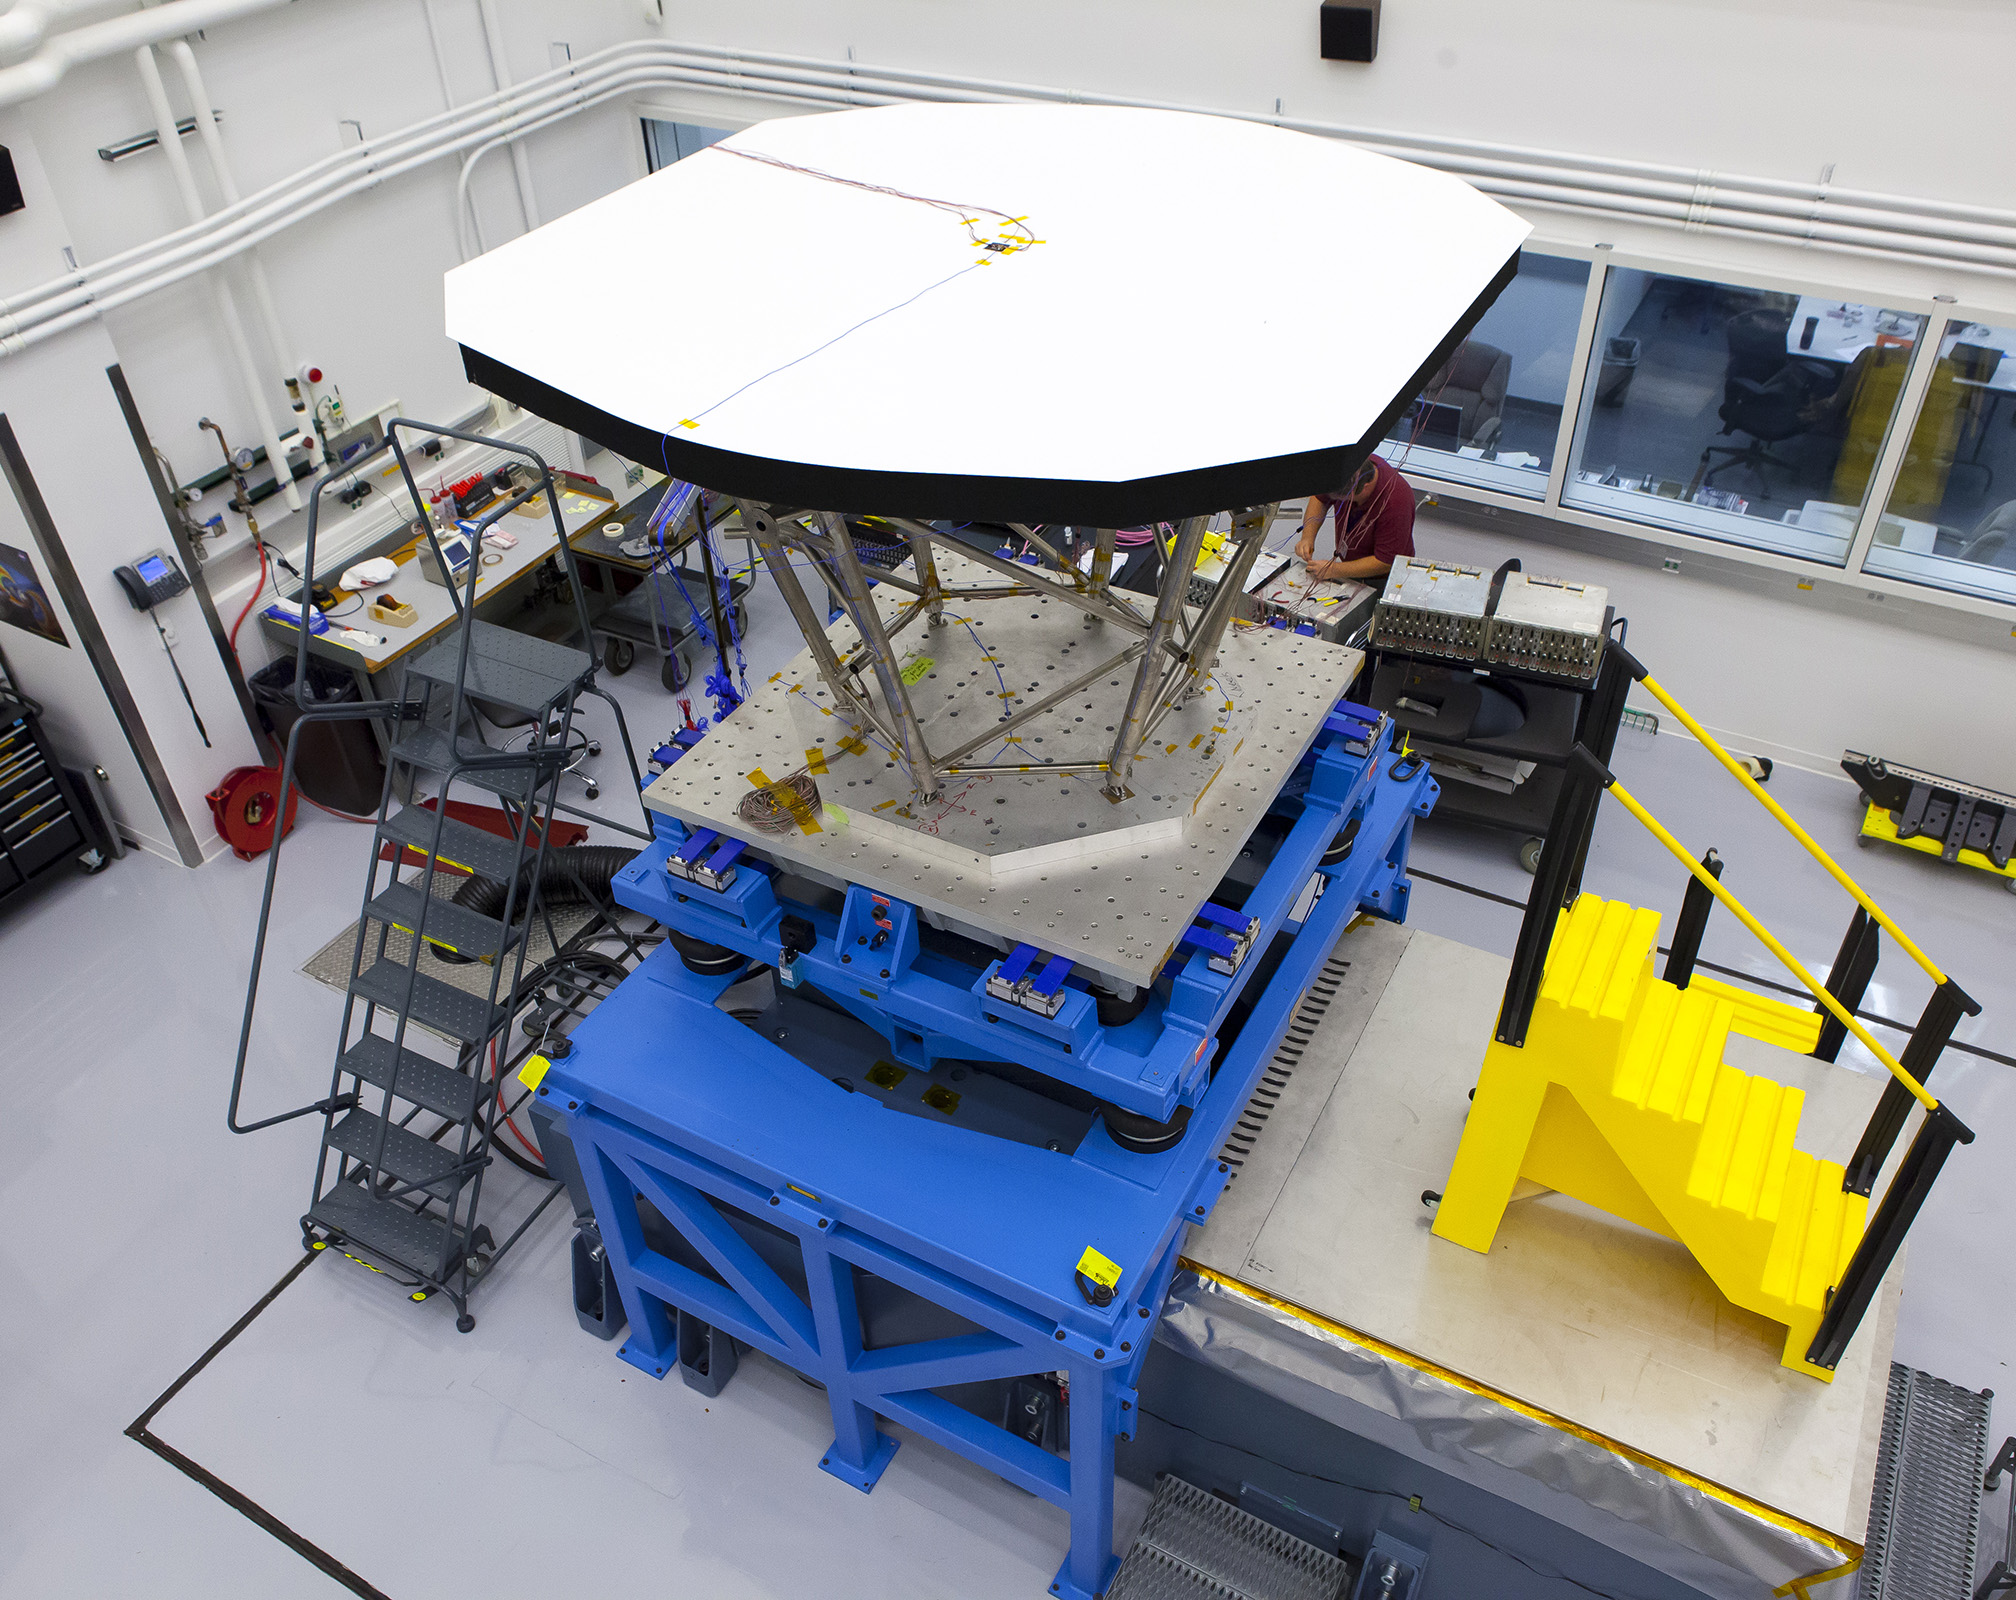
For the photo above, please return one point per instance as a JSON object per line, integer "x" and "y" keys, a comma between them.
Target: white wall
{"x": 1778, "y": 88}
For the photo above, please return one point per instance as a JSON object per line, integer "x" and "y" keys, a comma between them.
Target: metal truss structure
{"x": 1171, "y": 651}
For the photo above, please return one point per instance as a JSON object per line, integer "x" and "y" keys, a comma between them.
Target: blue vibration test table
{"x": 740, "y": 1190}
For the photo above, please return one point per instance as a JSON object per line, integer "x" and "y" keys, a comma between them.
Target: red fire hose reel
{"x": 246, "y": 805}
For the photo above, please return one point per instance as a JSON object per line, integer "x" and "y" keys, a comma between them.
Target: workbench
{"x": 582, "y": 503}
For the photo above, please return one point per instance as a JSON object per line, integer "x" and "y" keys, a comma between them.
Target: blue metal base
{"x": 788, "y": 1194}
{"x": 863, "y": 1478}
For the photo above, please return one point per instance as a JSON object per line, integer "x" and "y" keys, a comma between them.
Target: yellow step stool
{"x": 1620, "y": 1098}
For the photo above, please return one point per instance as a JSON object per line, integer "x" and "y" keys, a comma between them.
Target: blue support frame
{"x": 670, "y": 1100}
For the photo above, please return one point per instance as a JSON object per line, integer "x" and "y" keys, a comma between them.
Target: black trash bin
{"x": 337, "y": 764}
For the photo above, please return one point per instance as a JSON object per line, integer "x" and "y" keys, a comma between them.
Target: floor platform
{"x": 1586, "y": 1367}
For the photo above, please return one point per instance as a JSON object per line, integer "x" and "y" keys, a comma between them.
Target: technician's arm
{"x": 1364, "y": 569}
{"x": 1312, "y": 520}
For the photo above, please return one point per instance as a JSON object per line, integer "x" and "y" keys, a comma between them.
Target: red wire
{"x": 531, "y": 1149}
{"x": 257, "y": 589}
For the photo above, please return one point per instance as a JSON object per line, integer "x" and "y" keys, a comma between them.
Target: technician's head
{"x": 1360, "y": 487}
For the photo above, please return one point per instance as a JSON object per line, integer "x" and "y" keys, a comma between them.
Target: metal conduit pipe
{"x": 500, "y": 72}
{"x": 42, "y": 71}
{"x": 227, "y": 184}
{"x": 1783, "y": 211}
{"x": 227, "y": 308}
{"x": 848, "y": 86}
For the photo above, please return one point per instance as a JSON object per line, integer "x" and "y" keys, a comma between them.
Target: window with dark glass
{"x": 1741, "y": 414}
{"x": 1491, "y": 415}
{"x": 1950, "y": 520}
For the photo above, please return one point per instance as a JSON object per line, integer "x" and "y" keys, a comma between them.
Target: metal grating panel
{"x": 1194, "y": 1545}
{"x": 1927, "y": 1501}
{"x": 1267, "y": 1092}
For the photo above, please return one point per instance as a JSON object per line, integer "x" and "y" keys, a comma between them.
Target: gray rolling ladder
{"x": 407, "y": 1135}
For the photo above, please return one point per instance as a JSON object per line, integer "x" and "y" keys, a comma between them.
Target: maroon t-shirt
{"x": 1382, "y": 525}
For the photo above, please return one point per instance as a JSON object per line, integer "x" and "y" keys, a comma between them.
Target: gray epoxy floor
{"x": 523, "y": 1458}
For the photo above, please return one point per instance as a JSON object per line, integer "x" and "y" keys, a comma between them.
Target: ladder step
{"x": 1771, "y": 1189}
{"x": 506, "y": 668}
{"x": 1820, "y": 1252}
{"x": 427, "y": 1083}
{"x": 1644, "y": 1058}
{"x": 1764, "y": 1111}
{"x": 408, "y": 1157}
{"x": 1706, "y": 1062}
{"x": 1718, "y": 1135}
{"x": 466, "y": 932}
{"x": 437, "y": 1005}
{"x": 1758, "y": 1016}
{"x": 397, "y": 1233}
{"x": 476, "y": 850}
{"x": 1788, "y": 1239}
{"x": 430, "y": 750}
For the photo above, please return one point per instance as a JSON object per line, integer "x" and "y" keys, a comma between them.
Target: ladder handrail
{"x": 1764, "y": 936}
{"x": 1784, "y": 817}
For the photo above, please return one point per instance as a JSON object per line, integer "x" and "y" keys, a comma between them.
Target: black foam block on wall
{"x": 10, "y": 185}
{"x": 1350, "y": 30}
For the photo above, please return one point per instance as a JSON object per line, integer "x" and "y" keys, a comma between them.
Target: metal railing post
{"x": 1895, "y": 1213}
{"x": 1692, "y": 922}
{"x": 1574, "y": 812}
{"x": 1848, "y": 980}
{"x": 1942, "y": 1013}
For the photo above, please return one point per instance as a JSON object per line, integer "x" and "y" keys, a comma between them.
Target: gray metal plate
{"x": 1117, "y": 910}
{"x": 1193, "y": 1543}
{"x": 1925, "y": 1510}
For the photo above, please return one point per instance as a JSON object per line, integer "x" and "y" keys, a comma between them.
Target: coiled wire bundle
{"x": 789, "y": 803}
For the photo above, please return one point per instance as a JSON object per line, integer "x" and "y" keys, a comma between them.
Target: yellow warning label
{"x": 915, "y": 669}
{"x": 533, "y": 1073}
{"x": 1098, "y": 1268}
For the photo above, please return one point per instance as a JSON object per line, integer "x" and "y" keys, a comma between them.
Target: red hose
{"x": 257, "y": 590}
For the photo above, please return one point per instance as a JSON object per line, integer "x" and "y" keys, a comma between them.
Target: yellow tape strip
{"x": 815, "y": 759}
{"x": 1802, "y": 1587}
{"x": 1392, "y": 1352}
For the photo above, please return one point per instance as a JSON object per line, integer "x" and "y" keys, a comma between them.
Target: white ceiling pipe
{"x": 743, "y": 78}
{"x": 87, "y": 305}
{"x": 742, "y": 81}
{"x": 500, "y": 70}
{"x": 622, "y": 67}
{"x": 25, "y": 26}
{"x": 1417, "y": 141}
{"x": 227, "y": 184}
{"x": 43, "y": 71}
{"x": 227, "y": 310}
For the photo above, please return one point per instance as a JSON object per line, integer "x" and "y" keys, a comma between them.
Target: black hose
{"x": 571, "y": 875}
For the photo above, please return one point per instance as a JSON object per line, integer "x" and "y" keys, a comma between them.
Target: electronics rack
{"x": 41, "y": 819}
{"x": 1549, "y": 626}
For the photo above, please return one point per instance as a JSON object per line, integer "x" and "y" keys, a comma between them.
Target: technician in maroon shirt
{"x": 1375, "y": 525}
